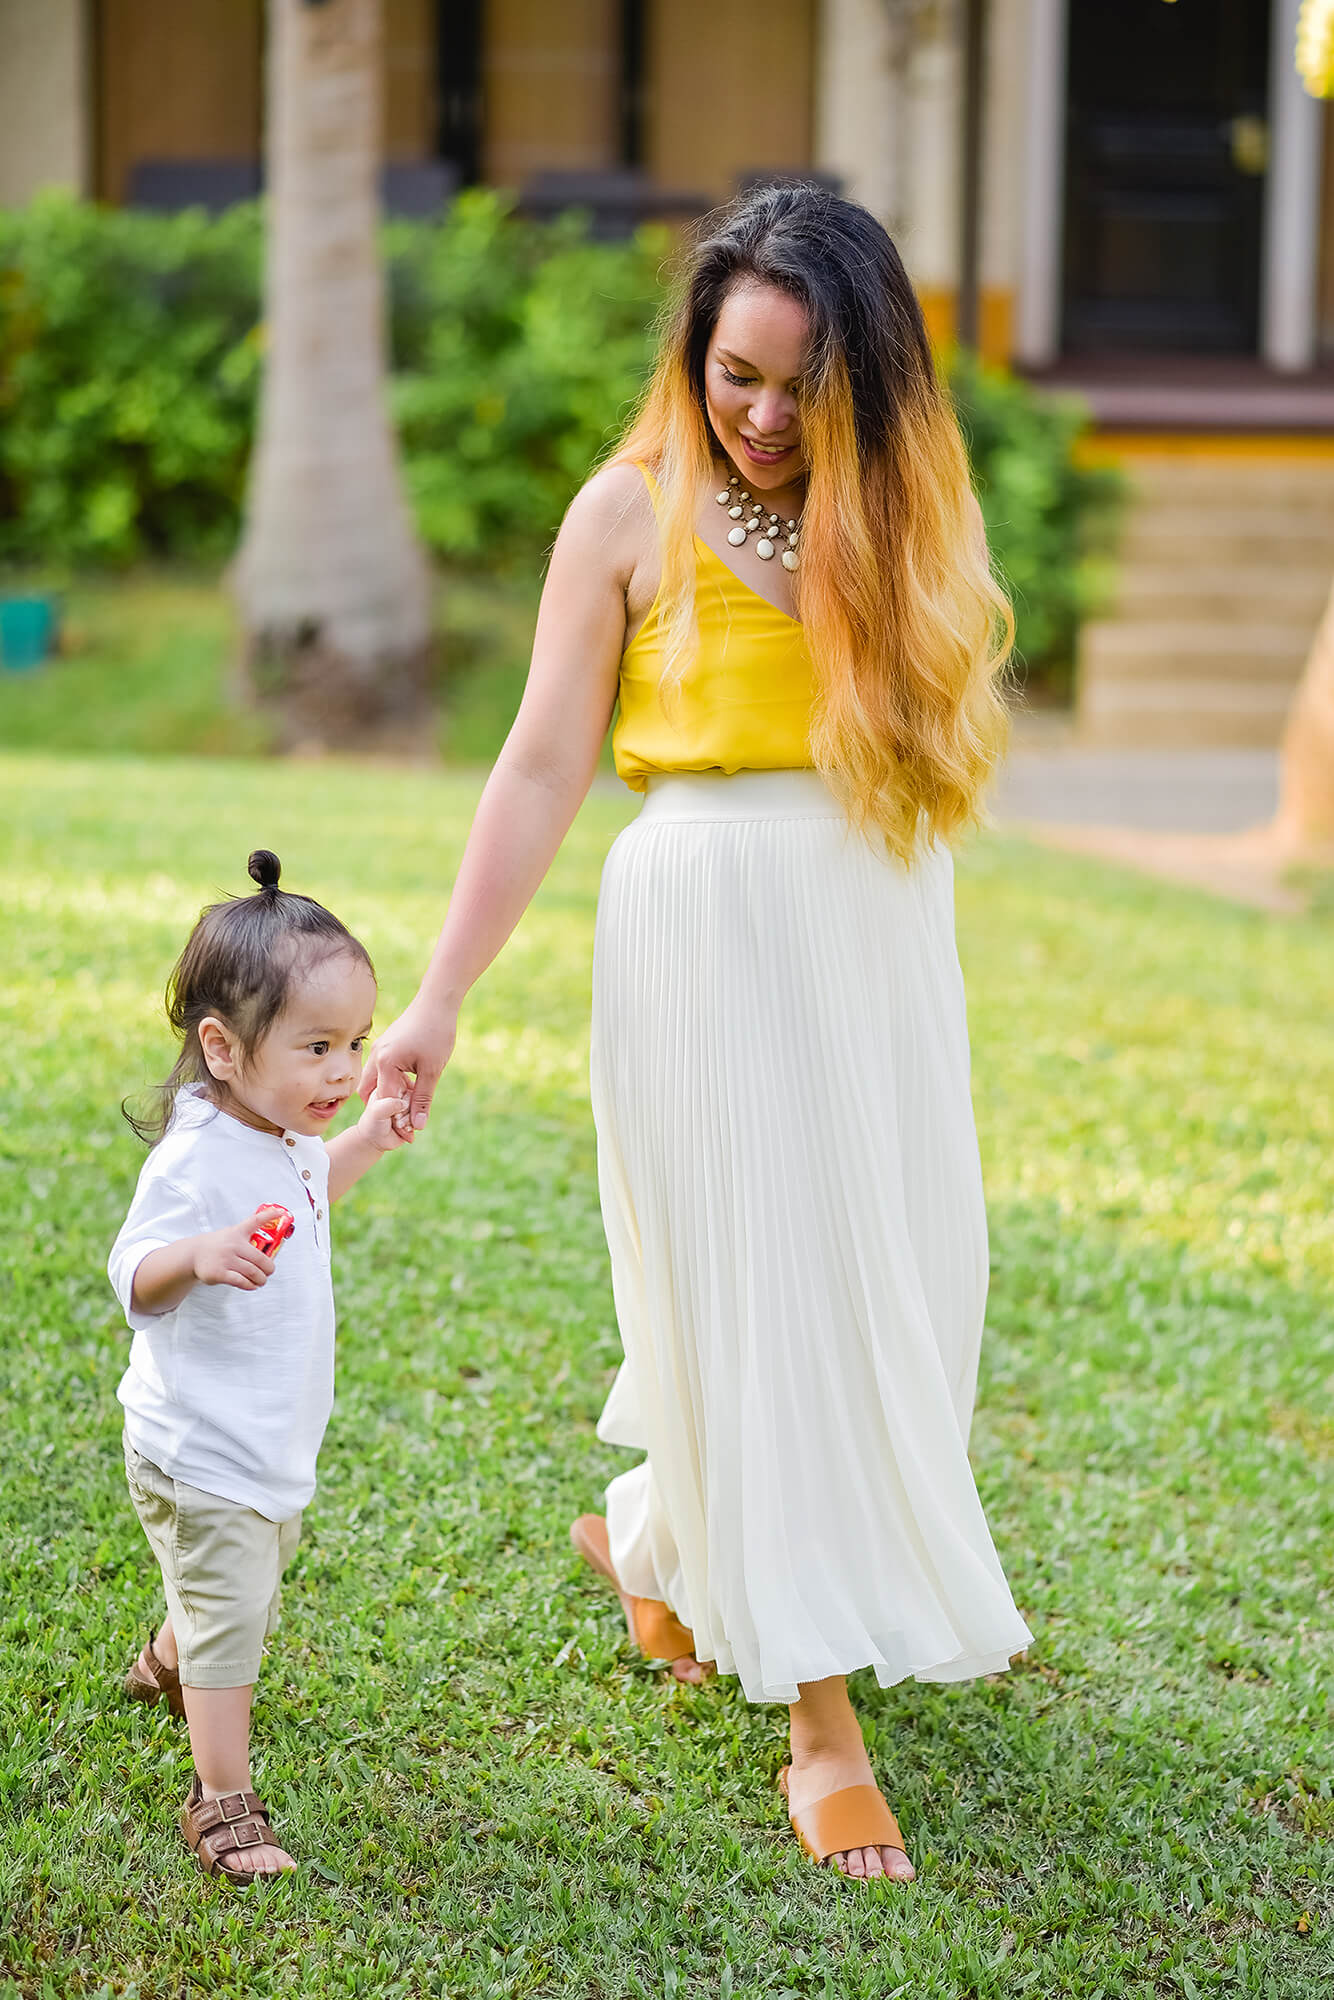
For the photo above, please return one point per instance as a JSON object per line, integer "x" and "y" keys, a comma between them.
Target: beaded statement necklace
{"x": 749, "y": 516}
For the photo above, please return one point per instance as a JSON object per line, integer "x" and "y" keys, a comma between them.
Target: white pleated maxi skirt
{"x": 792, "y": 1197}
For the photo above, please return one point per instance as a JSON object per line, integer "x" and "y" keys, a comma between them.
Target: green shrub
{"x": 518, "y": 351}
{"x": 129, "y": 361}
{"x": 129, "y": 356}
{"x": 1050, "y": 519}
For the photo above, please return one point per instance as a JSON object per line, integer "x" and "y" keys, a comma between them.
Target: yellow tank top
{"x": 746, "y": 700}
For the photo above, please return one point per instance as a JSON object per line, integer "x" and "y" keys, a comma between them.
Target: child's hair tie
{"x": 265, "y": 868}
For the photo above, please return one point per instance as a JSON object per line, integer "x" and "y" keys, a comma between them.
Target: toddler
{"x": 230, "y": 1381}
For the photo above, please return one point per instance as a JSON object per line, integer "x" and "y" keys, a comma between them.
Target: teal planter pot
{"x": 27, "y": 632}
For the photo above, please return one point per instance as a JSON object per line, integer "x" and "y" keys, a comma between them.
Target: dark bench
{"x": 411, "y": 188}
{"x": 616, "y": 199}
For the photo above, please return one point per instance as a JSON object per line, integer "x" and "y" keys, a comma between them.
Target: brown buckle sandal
{"x": 215, "y": 1828}
{"x": 150, "y": 1679}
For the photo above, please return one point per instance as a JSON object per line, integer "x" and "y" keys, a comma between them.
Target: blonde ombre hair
{"x": 907, "y": 627}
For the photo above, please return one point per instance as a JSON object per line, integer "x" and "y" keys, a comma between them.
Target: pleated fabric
{"x": 793, "y": 1203}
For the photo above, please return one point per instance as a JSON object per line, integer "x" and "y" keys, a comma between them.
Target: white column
{"x": 1005, "y": 133}
{"x": 929, "y": 204}
{"x": 1038, "y": 319}
{"x": 855, "y": 135}
{"x": 43, "y": 110}
{"x": 1292, "y": 206}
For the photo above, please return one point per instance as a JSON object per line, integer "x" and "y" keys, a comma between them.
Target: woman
{"x": 782, "y": 577}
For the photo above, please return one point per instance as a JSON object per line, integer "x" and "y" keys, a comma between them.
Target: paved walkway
{"x": 1197, "y": 817}
{"x": 1049, "y": 782}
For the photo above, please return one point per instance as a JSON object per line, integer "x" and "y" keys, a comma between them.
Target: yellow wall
{"x": 175, "y": 82}
{"x": 551, "y": 76}
{"x": 185, "y": 81}
{"x": 995, "y": 314}
{"x": 409, "y": 79}
{"x": 730, "y": 89}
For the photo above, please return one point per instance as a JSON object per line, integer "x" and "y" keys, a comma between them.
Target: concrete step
{"x": 1223, "y": 575}
{"x": 1214, "y": 593}
{"x": 1194, "y": 482}
{"x": 1164, "y": 541}
{"x": 1173, "y": 714}
{"x": 1187, "y": 650}
{"x": 1230, "y": 518}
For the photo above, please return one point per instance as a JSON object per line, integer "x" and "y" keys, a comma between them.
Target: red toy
{"x": 275, "y": 1231}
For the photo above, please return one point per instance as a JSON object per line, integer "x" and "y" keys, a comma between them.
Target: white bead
{"x": 745, "y": 493}
{"x": 735, "y": 513}
{"x": 791, "y": 524}
{"x": 764, "y": 548}
{"x": 789, "y": 559}
{"x": 722, "y": 498}
{"x": 736, "y": 536}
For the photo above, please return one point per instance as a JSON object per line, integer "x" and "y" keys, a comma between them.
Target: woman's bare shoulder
{"x": 613, "y": 513}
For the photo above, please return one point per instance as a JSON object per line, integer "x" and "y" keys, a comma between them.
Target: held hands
{"x": 386, "y": 1123}
{"x": 407, "y": 1062}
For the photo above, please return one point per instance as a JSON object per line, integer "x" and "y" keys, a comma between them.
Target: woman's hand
{"x": 409, "y": 1058}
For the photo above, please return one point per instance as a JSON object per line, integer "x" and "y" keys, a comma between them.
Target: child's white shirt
{"x": 232, "y": 1391}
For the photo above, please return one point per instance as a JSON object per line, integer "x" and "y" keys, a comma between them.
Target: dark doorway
{"x": 1166, "y": 150}
{"x": 459, "y": 87}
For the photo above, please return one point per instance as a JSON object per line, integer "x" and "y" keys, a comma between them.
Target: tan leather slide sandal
{"x": 654, "y": 1627}
{"x": 855, "y": 1817}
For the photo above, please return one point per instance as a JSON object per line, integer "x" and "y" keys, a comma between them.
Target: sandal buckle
{"x": 232, "y": 1805}
{"x": 249, "y": 1835}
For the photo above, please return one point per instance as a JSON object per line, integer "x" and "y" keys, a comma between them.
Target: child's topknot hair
{"x": 238, "y": 964}
{"x": 264, "y": 868}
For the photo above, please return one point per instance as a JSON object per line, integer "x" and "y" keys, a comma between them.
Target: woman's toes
{"x": 897, "y": 1864}
{"x": 854, "y": 1863}
{"x": 873, "y": 1864}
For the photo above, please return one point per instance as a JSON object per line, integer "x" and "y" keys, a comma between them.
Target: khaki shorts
{"x": 221, "y": 1566}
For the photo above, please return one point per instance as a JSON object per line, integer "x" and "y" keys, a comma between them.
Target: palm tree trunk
{"x": 332, "y": 586}
{"x": 1306, "y": 784}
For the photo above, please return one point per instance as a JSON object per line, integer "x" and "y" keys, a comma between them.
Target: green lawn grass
{"x": 146, "y": 661}
{"x": 491, "y": 1794}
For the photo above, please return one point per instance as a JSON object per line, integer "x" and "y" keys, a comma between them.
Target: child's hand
{"x": 228, "y": 1257}
{"x": 386, "y": 1123}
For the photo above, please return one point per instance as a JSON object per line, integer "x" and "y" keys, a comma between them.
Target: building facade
{"x": 1144, "y": 175}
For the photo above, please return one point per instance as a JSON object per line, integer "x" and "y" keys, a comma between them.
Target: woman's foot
{"x": 656, "y": 1632}
{"x": 828, "y": 1756}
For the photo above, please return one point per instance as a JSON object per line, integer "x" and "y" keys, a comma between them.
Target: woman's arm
{"x": 538, "y": 783}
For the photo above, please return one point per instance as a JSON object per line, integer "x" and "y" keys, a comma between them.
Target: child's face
{"x": 309, "y": 1062}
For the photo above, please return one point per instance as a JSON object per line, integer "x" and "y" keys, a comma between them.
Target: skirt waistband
{"x": 739, "y": 795}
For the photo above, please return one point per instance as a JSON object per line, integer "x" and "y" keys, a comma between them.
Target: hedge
{"x": 130, "y": 349}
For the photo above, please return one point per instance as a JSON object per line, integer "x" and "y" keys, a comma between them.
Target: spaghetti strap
{"x": 654, "y": 493}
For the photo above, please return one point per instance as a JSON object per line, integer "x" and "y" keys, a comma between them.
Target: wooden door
{"x": 1166, "y": 155}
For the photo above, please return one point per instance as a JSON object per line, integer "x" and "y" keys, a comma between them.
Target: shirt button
{"x": 291, "y": 1142}
{"x": 319, "y": 1215}
{"x": 305, "y": 1173}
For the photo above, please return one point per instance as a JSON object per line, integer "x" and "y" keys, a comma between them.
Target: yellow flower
{"x": 1315, "y": 47}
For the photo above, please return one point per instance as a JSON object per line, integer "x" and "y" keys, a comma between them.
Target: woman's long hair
{"x": 907, "y": 627}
